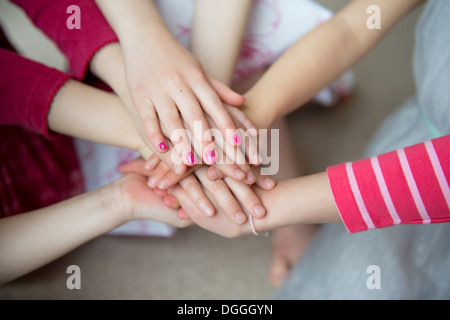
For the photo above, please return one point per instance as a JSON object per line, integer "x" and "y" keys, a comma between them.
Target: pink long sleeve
{"x": 27, "y": 89}
{"x": 34, "y": 171}
{"x": 78, "y": 45}
{"x": 407, "y": 186}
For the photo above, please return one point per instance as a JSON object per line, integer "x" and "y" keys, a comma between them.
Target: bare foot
{"x": 289, "y": 244}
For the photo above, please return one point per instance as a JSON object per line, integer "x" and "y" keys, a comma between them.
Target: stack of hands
{"x": 199, "y": 149}
{"x": 198, "y": 138}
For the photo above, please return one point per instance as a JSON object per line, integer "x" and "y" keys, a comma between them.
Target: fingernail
{"x": 237, "y": 139}
{"x": 149, "y": 164}
{"x": 251, "y": 176}
{"x": 240, "y": 217}
{"x": 160, "y": 193}
{"x": 253, "y": 132}
{"x": 152, "y": 182}
{"x": 211, "y": 156}
{"x": 259, "y": 211}
{"x": 163, "y": 184}
{"x": 240, "y": 174}
{"x": 270, "y": 183}
{"x": 163, "y": 146}
{"x": 170, "y": 202}
{"x": 190, "y": 157}
{"x": 207, "y": 209}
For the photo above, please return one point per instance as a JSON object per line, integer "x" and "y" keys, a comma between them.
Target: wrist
{"x": 114, "y": 204}
{"x": 144, "y": 33}
{"x": 259, "y": 111}
{"x": 304, "y": 200}
{"x": 100, "y": 66}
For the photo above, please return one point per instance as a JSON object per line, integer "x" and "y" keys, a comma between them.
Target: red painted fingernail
{"x": 163, "y": 146}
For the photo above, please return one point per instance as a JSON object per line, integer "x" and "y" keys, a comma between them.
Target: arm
{"x": 80, "y": 45}
{"x": 217, "y": 32}
{"x": 33, "y": 239}
{"x": 44, "y": 99}
{"x": 318, "y": 58}
{"x": 164, "y": 79}
{"x": 81, "y": 111}
{"x": 408, "y": 186}
{"x": 26, "y": 91}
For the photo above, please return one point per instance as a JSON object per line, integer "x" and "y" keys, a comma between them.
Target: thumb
{"x": 225, "y": 94}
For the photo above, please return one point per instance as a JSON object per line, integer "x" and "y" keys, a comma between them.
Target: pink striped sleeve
{"x": 406, "y": 186}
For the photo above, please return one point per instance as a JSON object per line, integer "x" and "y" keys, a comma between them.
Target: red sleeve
{"x": 27, "y": 89}
{"x": 78, "y": 45}
{"x": 407, "y": 186}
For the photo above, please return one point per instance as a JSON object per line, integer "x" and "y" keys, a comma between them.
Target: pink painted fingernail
{"x": 163, "y": 146}
{"x": 236, "y": 139}
{"x": 211, "y": 156}
{"x": 190, "y": 157}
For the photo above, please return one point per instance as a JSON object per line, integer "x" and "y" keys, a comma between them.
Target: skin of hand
{"x": 164, "y": 79}
{"x": 88, "y": 113}
{"x": 230, "y": 162}
{"x": 232, "y": 41}
{"x": 306, "y": 200}
{"x": 342, "y": 41}
{"x": 111, "y": 54}
{"x": 231, "y": 197}
{"x": 60, "y": 228}
{"x": 216, "y": 25}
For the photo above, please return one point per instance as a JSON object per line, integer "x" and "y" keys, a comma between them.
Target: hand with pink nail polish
{"x": 233, "y": 164}
{"x": 168, "y": 89}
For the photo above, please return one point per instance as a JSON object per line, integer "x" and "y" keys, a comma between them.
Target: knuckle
{"x": 148, "y": 117}
{"x": 173, "y": 118}
{"x": 215, "y": 186}
{"x": 138, "y": 90}
{"x": 232, "y": 207}
{"x": 190, "y": 185}
{"x": 197, "y": 75}
{"x": 252, "y": 199}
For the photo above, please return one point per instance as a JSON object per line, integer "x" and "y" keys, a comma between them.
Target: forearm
{"x": 320, "y": 57}
{"x": 303, "y": 200}
{"x": 88, "y": 113}
{"x": 33, "y": 239}
{"x": 217, "y": 32}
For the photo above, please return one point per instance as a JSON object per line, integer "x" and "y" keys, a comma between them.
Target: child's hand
{"x": 168, "y": 86}
{"x": 230, "y": 162}
{"x": 135, "y": 201}
{"x": 220, "y": 223}
{"x": 227, "y": 193}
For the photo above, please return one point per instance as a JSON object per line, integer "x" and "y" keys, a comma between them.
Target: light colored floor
{"x": 195, "y": 264}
